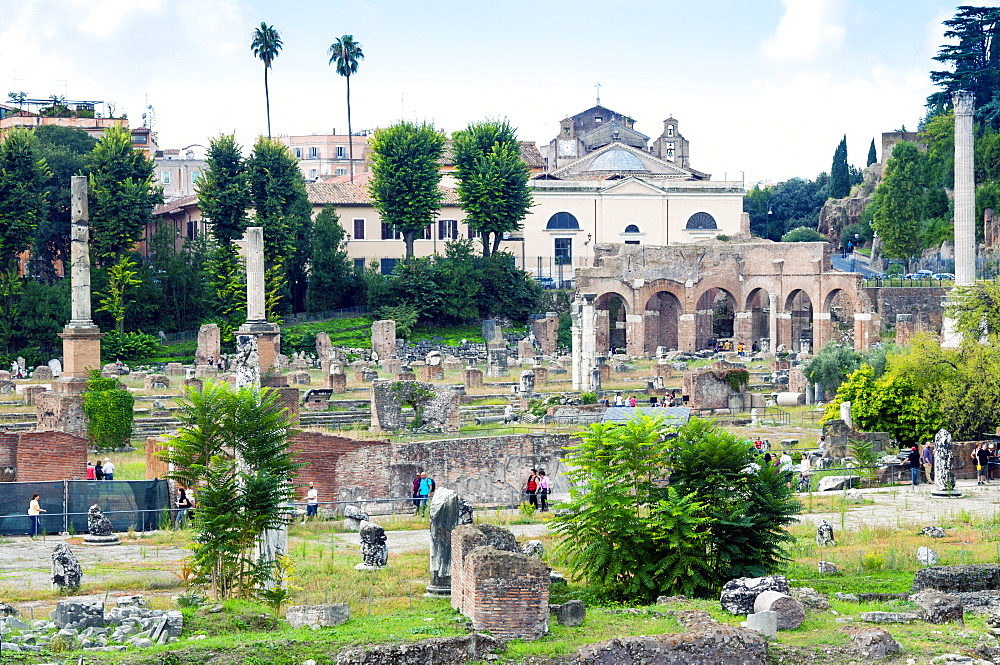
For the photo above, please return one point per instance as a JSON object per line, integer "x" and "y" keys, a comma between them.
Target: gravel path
{"x": 414, "y": 541}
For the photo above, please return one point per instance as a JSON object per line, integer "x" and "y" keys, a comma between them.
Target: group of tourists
{"x": 423, "y": 490}
{"x": 101, "y": 470}
{"x": 673, "y": 399}
{"x": 537, "y": 488}
{"x": 725, "y": 346}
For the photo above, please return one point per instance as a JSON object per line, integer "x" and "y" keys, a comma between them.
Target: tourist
{"x": 531, "y": 488}
{"x": 785, "y": 464}
{"x": 312, "y": 502}
{"x": 98, "y": 471}
{"x": 211, "y": 360}
{"x": 653, "y": 401}
{"x": 741, "y": 349}
{"x": 631, "y": 401}
{"x": 618, "y": 399}
{"x": 821, "y": 444}
{"x": 767, "y": 459}
{"x": 91, "y": 473}
{"x": 543, "y": 490}
{"x": 416, "y": 492}
{"x": 754, "y": 348}
{"x": 981, "y": 457}
{"x": 183, "y": 506}
{"x": 927, "y": 459}
{"x": 426, "y": 491}
{"x": 508, "y": 413}
{"x": 805, "y": 473}
{"x": 109, "y": 469}
{"x": 914, "y": 459}
{"x": 34, "y": 510}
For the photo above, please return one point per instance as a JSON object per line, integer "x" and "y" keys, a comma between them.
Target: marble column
{"x": 772, "y": 320}
{"x": 576, "y": 332}
{"x": 965, "y": 190}
{"x": 588, "y": 338}
{"x": 267, "y": 334}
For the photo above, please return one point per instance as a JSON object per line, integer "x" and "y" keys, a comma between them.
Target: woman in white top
{"x": 34, "y": 510}
{"x": 805, "y": 472}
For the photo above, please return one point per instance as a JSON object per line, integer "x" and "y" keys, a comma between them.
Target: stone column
{"x": 576, "y": 332}
{"x": 267, "y": 334}
{"x": 743, "y": 328}
{"x": 635, "y": 335}
{"x": 772, "y": 320}
{"x": 588, "y": 338}
{"x": 965, "y": 190}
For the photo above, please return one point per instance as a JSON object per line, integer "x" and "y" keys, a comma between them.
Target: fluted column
{"x": 588, "y": 340}
{"x": 255, "y": 274}
{"x": 965, "y": 189}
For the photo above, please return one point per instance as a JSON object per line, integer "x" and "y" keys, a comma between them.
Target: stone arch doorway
{"x": 759, "y": 306}
{"x": 661, "y": 318}
{"x": 799, "y": 309}
{"x": 841, "y": 309}
{"x": 612, "y": 326}
{"x": 715, "y": 317}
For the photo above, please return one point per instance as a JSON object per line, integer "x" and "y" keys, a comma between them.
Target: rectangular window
{"x": 428, "y": 232}
{"x": 341, "y": 171}
{"x": 164, "y": 177}
{"x": 195, "y": 176}
{"x": 298, "y": 153}
{"x": 387, "y": 265}
{"x": 192, "y": 230}
{"x": 564, "y": 251}
{"x": 388, "y": 233}
{"x": 448, "y": 229}
{"x": 140, "y": 138}
{"x": 359, "y": 229}
{"x": 312, "y": 174}
{"x": 472, "y": 233}
{"x": 359, "y": 265}
{"x": 340, "y": 152}
{"x": 313, "y": 152}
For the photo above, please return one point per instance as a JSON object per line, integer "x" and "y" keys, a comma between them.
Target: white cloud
{"x": 807, "y": 28}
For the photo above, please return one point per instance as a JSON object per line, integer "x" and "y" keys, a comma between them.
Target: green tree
{"x": 232, "y": 447}
{"x": 281, "y": 207}
{"x": 898, "y": 201}
{"x": 33, "y": 332}
{"x": 265, "y": 42}
{"x": 757, "y": 203}
{"x": 18, "y": 98}
{"x": 332, "y": 282}
{"x": 632, "y": 537}
{"x": 109, "y": 411}
{"x": 493, "y": 180}
{"x": 22, "y": 194}
{"x": 121, "y": 281}
{"x": 346, "y": 55}
{"x": 405, "y": 176}
{"x": 832, "y": 365}
{"x": 122, "y": 195}
{"x": 180, "y": 279}
{"x": 223, "y": 189}
{"x": 974, "y": 56}
{"x": 65, "y": 151}
{"x": 507, "y": 291}
{"x": 840, "y": 172}
{"x": 803, "y": 234}
{"x": 872, "y": 155}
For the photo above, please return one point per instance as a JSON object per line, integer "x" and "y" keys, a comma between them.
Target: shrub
{"x": 109, "y": 412}
{"x": 588, "y": 398}
{"x": 129, "y": 346}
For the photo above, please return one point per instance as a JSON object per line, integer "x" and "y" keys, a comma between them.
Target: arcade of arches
{"x": 688, "y": 297}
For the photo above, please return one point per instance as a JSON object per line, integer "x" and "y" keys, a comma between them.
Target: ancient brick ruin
{"x": 42, "y": 456}
{"x": 437, "y": 407}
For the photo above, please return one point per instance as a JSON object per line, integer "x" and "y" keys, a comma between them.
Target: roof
{"x": 176, "y": 205}
{"x": 596, "y": 162}
{"x": 339, "y": 190}
{"x": 616, "y": 160}
{"x": 672, "y": 415}
{"x": 529, "y": 153}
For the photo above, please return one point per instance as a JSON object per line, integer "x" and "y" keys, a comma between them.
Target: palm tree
{"x": 265, "y": 44}
{"x": 347, "y": 54}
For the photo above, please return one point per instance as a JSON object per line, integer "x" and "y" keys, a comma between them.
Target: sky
{"x": 763, "y": 90}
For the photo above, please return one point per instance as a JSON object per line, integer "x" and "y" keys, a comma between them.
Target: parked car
{"x": 943, "y": 276}
{"x": 546, "y": 282}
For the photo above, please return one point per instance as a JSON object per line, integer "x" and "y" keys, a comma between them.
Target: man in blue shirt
{"x": 425, "y": 491}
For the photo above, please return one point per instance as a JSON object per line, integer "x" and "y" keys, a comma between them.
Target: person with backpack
{"x": 426, "y": 491}
{"x": 543, "y": 490}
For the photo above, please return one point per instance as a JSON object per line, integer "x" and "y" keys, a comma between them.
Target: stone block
{"x": 939, "y": 607}
{"x": 205, "y": 372}
{"x": 300, "y": 378}
{"x": 506, "y": 593}
{"x": 927, "y": 556}
{"x": 738, "y": 595}
{"x": 209, "y": 344}
{"x": 336, "y": 382}
{"x": 174, "y": 369}
{"x": 66, "y": 571}
{"x": 156, "y": 382}
{"x": 958, "y": 579}
{"x": 541, "y": 375}
{"x": 888, "y": 617}
{"x": 790, "y": 612}
{"x": 78, "y": 614}
{"x": 384, "y": 338}
{"x": 30, "y": 392}
{"x": 196, "y": 384}
{"x": 571, "y": 613}
{"x": 428, "y": 373}
{"x": 874, "y": 643}
{"x": 831, "y": 483}
{"x": 765, "y": 623}
{"x": 708, "y": 643}
{"x": 435, "y": 651}
{"x": 42, "y": 373}
{"x": 472, "y": 378}
{"x": 324, "y": 616}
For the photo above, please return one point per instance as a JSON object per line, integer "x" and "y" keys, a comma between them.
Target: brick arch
{"x": 661, "y": 321}
{"x": 798, "y": 313}
{"x": 609, "y": 333}
{"x": 709, "y": 326}
{"x": 757, "y": 310}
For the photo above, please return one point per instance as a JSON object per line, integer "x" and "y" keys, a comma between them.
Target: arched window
{"x": 631, "y": 228}
{"x": 701, "y": 220}
{"x": 562, "y": 221}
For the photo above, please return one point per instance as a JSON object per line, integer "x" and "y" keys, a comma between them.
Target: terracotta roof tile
{"x": 176, "y": 205}
{"x": 338, "y": 190}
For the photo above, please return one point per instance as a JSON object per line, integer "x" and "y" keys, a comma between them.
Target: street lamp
{"x": 769, "y": 213}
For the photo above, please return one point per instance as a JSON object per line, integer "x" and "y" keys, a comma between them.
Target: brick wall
{"x": 505, "y": 593}
{"x": 464, "y": 539}
{"x": 45, "y": 456}
{"x": 909, "y": 300}
{"x": 155, "y": 467}
{"x": 342, "y": 469}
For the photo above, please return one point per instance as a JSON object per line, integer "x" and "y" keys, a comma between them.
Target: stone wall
{"x": 384, "y": 338}
{"x": 706, "y": 390}
{"x": 60, "y": 412}
{"x": 209, "y": 344}
{"x": 547, "y": 332}
{"x": 43, "y": 456}
{"x": 909, "y": 300}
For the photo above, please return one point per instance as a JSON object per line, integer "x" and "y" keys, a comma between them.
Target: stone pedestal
{"x": 541, "y": 375}
{"x": 81, "y": 354}
{"x": 472, "y": 378}
{"x": 336, "y": 382}
{"x": 268, "y": 335}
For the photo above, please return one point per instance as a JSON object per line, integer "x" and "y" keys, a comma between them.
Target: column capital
{"x": 963, "y": 102}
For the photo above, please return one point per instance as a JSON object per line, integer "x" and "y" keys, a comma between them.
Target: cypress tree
{"x": 840, "y": 172}
{"x": 872, "y": 155}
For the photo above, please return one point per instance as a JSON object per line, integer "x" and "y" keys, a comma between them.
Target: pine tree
{"x": 332, "y": 282}
{"x": 975, "y": 56}
{"x": 899, "y": 202}
{"x": 223, "y": 190}
{"x": 22, "y": 195}
{"x": 872, "y": 155}
{"x": 840, "y": 172}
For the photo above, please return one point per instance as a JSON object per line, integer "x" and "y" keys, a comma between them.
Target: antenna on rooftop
{"x": 598, "y": 86}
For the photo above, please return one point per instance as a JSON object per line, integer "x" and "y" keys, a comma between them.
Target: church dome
{"x": 616, "y": 160}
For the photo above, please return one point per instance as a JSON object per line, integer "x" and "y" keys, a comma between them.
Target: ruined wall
{"x": 8, "y": 457}
{"x": 343, "y": 469}
{"x": 60, "y": 412}
{"x": 912, "y": 300}
{"x": 488, "y": 469}
{"x": 155, "y": 467}
{"x": 45, "y": 456}
{"x": 505, "y": 593}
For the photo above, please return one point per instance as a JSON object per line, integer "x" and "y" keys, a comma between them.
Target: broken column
{"x": 374, "y": 552}
{"x": 576, "y": 335}
{"x": 209, "y": 344}
{"x": 384, "y": 338}
{"x": 266, "y": 334}
{"x": 497, "y": 366}
{"x": 444, "y": 515}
